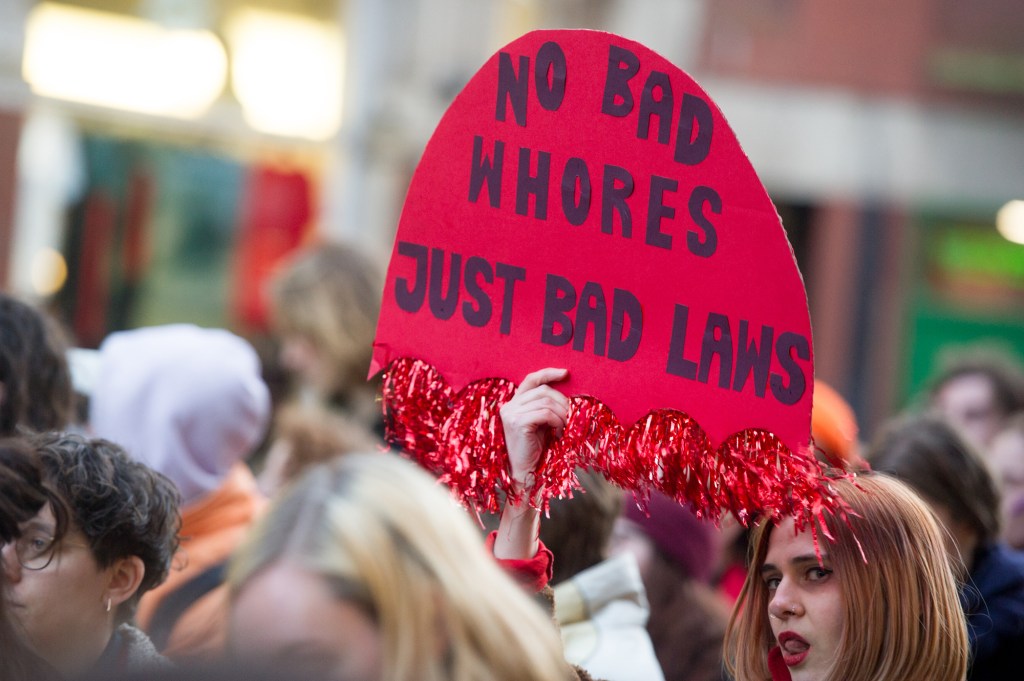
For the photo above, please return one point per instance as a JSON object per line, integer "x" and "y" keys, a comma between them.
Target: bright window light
{"x": 49, "y": 271}
{"x": 287, "y": 72}
{"x": 121, "y": 62}
{"x": 1010, "y": 221}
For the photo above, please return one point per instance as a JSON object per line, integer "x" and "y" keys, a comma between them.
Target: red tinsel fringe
{"x": 472, "y": 445}
{"x": 460, "y": 438}
{"x": 417, "y": 402}
{"x": 680, "y": 459}
{"x": 590, "y": 439}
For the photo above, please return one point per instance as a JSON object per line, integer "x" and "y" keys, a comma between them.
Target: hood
{"x": 188, "y": 402}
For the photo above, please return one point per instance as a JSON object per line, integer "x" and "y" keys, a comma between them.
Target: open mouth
{"x": 794, "y": 648}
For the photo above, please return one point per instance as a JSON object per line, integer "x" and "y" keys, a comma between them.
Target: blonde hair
{"x": 902, "y": 617}
{"x": 390, "y": 538}
{"x": 330, "y": 295}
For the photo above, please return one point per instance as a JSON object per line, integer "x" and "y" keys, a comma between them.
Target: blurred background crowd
{"x": 158, "y": 158}
{"x": 240, "y": 165}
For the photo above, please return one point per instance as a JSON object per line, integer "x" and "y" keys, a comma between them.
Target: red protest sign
{"x": 583, "y": 203}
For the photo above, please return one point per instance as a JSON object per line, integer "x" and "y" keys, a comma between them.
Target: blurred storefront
{"x": 889, "y": 136}
{"x": 169, "y": 154}
{"x": 899, "y": 130}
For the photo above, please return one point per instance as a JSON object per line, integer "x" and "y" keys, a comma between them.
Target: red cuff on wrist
{"x": 532, "y": 573}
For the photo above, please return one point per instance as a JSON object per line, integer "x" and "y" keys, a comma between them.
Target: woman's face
{"x": 1007, "y": 460}
{"x": 969, "y": 403}
{"x": 804, "y": 602}
{"x": 62, "y": 608}
{"x": 290, "y": 618}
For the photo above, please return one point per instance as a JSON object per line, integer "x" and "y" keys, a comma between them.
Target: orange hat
{"x": 834, "y": 426}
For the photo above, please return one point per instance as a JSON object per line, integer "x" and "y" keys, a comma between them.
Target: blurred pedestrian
{"x": 677, "y": 553}
{"x": 599, "y": 599}
{"x": 365, "y": 570}
{"x": 834, "y": 428}
{"x": 35, "y": 384}
{"x": 324, "y": 309}
{"x": 929, "y": 455}
{"x": 977, "y": 391}
{"x": 21, "y": 497}
{"x": 1006, "y": 458}
{"x": 306, "y": 435}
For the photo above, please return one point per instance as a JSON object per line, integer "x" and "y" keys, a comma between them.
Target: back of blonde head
{"x": 394, "y": 538}
{"x": 902, "y": 616}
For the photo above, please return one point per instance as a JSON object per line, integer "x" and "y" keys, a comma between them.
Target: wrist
{"x": 518, "y": 531}
{"x": 523, "y": 482}
{"x": 522, "y": 493}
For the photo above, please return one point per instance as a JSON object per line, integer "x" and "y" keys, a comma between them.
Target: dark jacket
{"x": 993, "y": 600}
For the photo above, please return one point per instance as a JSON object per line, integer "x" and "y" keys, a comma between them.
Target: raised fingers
{"x": 541, "y": 377}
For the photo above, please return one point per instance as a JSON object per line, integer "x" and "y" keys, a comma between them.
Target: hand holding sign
{"x": 583, "y": 204}
{"x": 535, "y": 413}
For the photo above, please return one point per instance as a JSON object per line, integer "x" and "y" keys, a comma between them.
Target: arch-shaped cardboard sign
{"x": 583, "y": 203}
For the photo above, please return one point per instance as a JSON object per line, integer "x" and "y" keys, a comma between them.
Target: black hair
{"x": 21, "y": 497}
{"x": 36, "y": 383}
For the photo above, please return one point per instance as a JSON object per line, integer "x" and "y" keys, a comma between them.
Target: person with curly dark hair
{"x": 105, "y": 536}
{"x": 35, "y": 383}
{"x": 21, "y": 497}
{"x": 21, "y": 489}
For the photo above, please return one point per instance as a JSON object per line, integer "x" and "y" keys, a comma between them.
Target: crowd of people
{"x": 188, "y": 524}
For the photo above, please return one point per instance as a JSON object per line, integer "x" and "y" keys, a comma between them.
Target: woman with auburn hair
{"x": 876, "y": 602}
{"x": 365, "y": 569}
